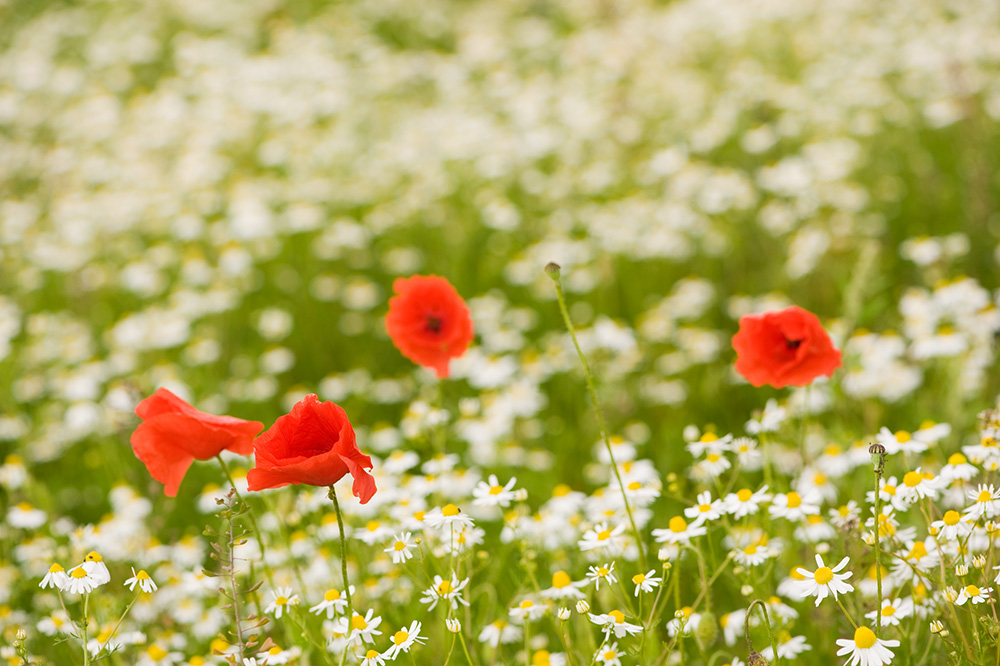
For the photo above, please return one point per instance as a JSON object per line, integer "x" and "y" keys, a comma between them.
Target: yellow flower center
{"x": 540, "y": 658}
{"x": 331, "y": 595}
{"x": 561, "y": 490}
{"x": 713, "y": 457}
{"x": 823, "y": 575}
{"x": 156, "y": 653}
{"x": 358, "y": 622}
{"x": 604, "y": 535}
{"x": 496, "y": 490}
{"x": 794, "y": 500}
{"x": 24, "y": 506}
{"x": 918, "y": 551}
{"x": 951, "y": 518}
{"x": 888, "y": 611}
{"x": 281, "y": 601}
{"x": 709, "y": 437}
{"x": 903, "y": 437}
{"x": 984, "y": 496}
{"x": 92, "y": 556}
{"x": 912, "y": 479}
{"x": 832, "y": 450}
{"x": 561, "y": 579}
{"x": 400, "y": 637}
{"x": 957, "y": 459}
{"x": 635, "y": 485}
{"x": 79, "y": 572}
{"x": 399, "y": 546}
{"x": 609, "y": 655}
{"x": 864, "y": 638}
{"x": 371, "y": 654}
{"x": 527, "y": 603}
{"x": 450, "y": 510}
{"x": 744, "y": 495}
{"x": 889, "y": 490}
{"x": 704, "y": 508}
{"x": 444, "y": 587}
{"x": 972, "y": 591}
{"x": 373, "y": 525}
{"x": 618, "y": 615}
{"x": 55, "y": 568}
{"x": 601, "y": 571}
{"x": 678, "y": 525}
{"x": 638, "y": 578}
{"x": 819, "y": 479}
{"x": 750, "y": 550}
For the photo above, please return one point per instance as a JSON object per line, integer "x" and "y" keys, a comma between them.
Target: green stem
{"x": 553, "y": 272}
{"x": 122, "y": 618}
{"x": 253, "y": 522}
{"x": 343, "y": 547}
{"x": 878, "y": 551}
{"x": 767, "y": 622}
{"x": 86, "y": 638}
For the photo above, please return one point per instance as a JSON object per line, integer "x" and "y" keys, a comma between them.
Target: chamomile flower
{"x": 404, "y": 639}
{"x": 446, "y": 516}
{"x": 141, "y": 579}
{"x": 604, "y": 572}
{"x": 25, "y": 516}
{"x": 400, "y": 549}
{"x": 492, "y": 493}
{"x": 918, "y": 485}
{"x": 893, "y": 610}
{"x": 793, "y": 506}
{"x": 449, "y": 591}
{"x": 373, "y": 532}
{"x": 95, "y": 566}
{"x": 614, "y": 622}
{"x": 283, "y": 598}
{"x": 646, "y": 582}
{"x": 973, "y": 593}
{"x": 713, "y": 465}
{"x": 333, "y": 602}
{"x": 602, "y": 537}
{"x": 80, "y": 581}
{"x": 752, "y": 555}
{"x": 608, "y": 655}
{"x": 498, "y": 632}
{"x": 744, "y": 502}
{"x": 563, "y": 587}
{"x": 374, "y": 658}
{"x": 527, "y": 610}
{"x": 865, "y": 649}
{"x": 986, "y": 502}
{"x": 958, "y": 469}
{"x": 953, "y": 525}
{"x": 679, "y": 531}
{"x": 824, "y": 580}
{"x": 360, "y": 629}
{"x": 704, "y": 509}
{"x": 55, "y": 577}
{"x": 789, "y": 647}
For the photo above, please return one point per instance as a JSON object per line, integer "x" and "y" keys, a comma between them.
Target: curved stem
{"x": 767, "y": 622}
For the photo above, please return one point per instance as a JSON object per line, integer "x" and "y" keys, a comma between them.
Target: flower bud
{"x": 454, "y": 625}
{"x": 582, "y": 606}
{"x": 756, "y": 659}
{"x": 707, "y": 630}
{"x": 961, "y": 570}
{"x": 563, "y": 614}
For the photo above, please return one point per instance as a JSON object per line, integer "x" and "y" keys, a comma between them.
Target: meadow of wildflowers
{"x": 503, "y": 332}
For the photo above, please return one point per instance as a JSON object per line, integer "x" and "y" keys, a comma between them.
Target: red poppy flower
{"x": 784, "y": 347}
{"x": 313, "y": 444}
{"x": 173, "y": 434}
{"x": 428, "y": 321}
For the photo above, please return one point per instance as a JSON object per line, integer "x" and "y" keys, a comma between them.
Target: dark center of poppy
{"x": 434, "y": 324}
{"x": 793, "y": 344}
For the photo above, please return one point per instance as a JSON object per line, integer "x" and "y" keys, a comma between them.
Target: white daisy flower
{"x": 141, "y": 579}
{"x": 744, "y": 502}
{"x": 360, "y": 629}
{"x": 55, "y": 577}
{"x": 498, "y": 632}
{"x": 374, "y": 658}
{"x": 646, "y": 582}
{"x": 788, "y": 649}
{"x": 492, "y": 493}
{"x": 527, "y": 610}
{"x": 609, "y": 655}
{"x": 793, "y": 506}
{"x": 563, "y": 587}
{"x": 824, "y": 580}
{"x": 404, "y": 639}
{"x": 953, "y": 525}
{"x": 705, "y": 509}
{"x": 679, "y": 531}
{"x": 614, "y": 622}
{"x": 446, "y": 516}
{"x": 445, "y": 590}
{"x": 865, "y": 649}
{"x": 986, "y": 502}
{"x": 972, "y": 593}
{"x": 283, "y": 598}
{"x": 604, "y": 572}
{"x": 333, "y": 602}
{"x": 400, "y": 549}
{"x": 80, "y": 581}
{"x": 601, "y": 537}
{"x": 893, "y": 610}
{"x": 752, "y": 555}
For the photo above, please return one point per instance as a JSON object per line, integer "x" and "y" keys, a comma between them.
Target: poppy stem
{"x": 552, "y": 270}
{"x": 343, "y": 546}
